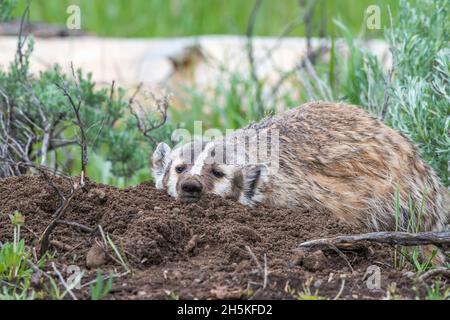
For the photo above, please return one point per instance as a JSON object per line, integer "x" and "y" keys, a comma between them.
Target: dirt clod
{"x": 95, "y": 257}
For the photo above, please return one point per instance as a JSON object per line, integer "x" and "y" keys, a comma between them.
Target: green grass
{"x": 17, "y": 269}
{"x": 101, "y": 288}
{"x": 163, "y": 18}
{"x": 15, "y": 265}
{"x": 438, "y": 291}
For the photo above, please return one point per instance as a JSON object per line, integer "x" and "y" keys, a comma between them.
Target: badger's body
{"x": 329, "y": 156}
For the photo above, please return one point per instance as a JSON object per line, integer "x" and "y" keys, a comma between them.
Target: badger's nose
{"x": 192, "y": 187}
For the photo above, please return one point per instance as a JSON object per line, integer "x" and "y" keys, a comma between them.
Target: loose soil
{"x": 214, "y": 248}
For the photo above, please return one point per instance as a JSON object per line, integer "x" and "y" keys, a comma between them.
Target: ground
{"x": 215, "y": 248}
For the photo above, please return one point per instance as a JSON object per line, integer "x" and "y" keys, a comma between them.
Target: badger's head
{"x": 190, "y": 171}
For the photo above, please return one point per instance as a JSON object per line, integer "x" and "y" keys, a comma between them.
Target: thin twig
{"x": 254, "y": 258}
{"x": 340, "y": 290}
{"x": 265, "y": 272}
{"x": 44, "y": 240}
{"x": 388, "y": 80}
{"x": 251, "y": 57}
{"x": 148, "y": 126}
{"x": 63, "y": 281}
{"x": 76, "y": 107}
{"x": 22, "y": 40}
{"x": 116, "y": 275}
{"x": 77, "y": 225}
{"x": 262, "y": 270}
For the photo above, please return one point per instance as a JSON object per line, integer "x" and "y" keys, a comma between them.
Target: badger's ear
{"x": 255, "y": 177}
{"x": 160, "y": 163}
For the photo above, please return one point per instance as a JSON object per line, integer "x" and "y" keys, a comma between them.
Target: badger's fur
{"x": 331, "y": 156}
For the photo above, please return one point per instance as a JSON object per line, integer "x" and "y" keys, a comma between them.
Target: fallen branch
{"x": 445, "y": 272}
{"x": 392, "y": 238}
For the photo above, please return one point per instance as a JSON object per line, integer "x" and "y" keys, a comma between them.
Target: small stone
{"x": 409, "y": 274}
{"x": 141, "y": 293}
{"x": 317, "y": 283}
{"x": 177, "y": 275}
{"x": 157, "y": 208}
{"x": 176, "y": 210}
{"x": 95, "y": 257}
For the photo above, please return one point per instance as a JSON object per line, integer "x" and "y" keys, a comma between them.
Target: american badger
{"x": 328, "y": 156}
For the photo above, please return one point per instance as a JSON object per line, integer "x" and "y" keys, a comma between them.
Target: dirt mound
{"x": 213, "y": 248}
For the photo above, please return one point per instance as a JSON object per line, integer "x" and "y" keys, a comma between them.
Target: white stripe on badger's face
{"x": 173, "y": 178}
{"x": 223, "y": 186}
{"x": 198, "y": 165}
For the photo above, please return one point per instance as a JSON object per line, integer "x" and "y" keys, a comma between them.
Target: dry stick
{"x": 76, "y": 109}
{"x": 388, "y": 80}
{"x": 162, "y": 105}
{"x": 343, "y": 256}
{"x": 80, "y": 226}
{"x": 265, "y": 272}
{"x": 44, "y": 240}
{"x": 444, "y": 271}
{"x": 63, "y": 281}
{"x": 61, "y": 245}
{"x": 251, "y": 57}
{"x": 309, "y": 7}
{"x": 262, "y": 270}
{"x": 20, "y": 44}
{"x": 254, "y": 258}
{"x": 38, "y": 271}
{"x": 340, "y": 290}
{"x": 392, "y": 238}
{"x": 114, "y": 275}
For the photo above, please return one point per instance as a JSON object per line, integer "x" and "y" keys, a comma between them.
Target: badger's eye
{"x": 217, "y": 173}
{"x": 180, "y": 169}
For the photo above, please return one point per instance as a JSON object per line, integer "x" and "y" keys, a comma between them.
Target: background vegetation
{"x": 413, "y": 97}
{"x": 162, "y": 18}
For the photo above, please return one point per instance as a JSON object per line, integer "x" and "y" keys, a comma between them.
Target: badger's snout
{"x": 191, "y": 189}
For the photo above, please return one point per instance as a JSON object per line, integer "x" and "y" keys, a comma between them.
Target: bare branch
{"x": 147, "y": 126}
{"x": 251, "y": 57}
{"x": 392, "y": 238}
{"x": 22, "y": 40}
{"x": 444, "y": 271}
{"x": 388, "y": 80}
{"x": 64, "y": 283}
{"x": 76, "y": 107}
